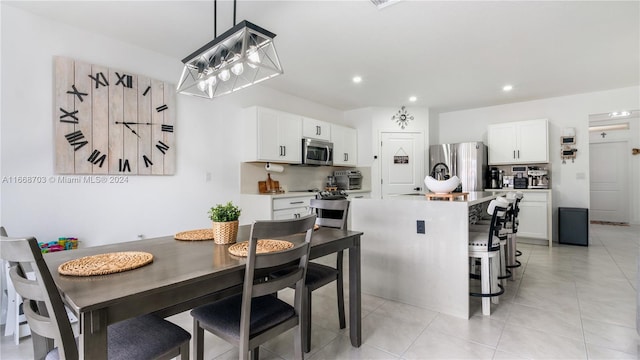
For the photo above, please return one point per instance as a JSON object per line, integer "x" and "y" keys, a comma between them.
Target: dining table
{"x": 182, "y": 275}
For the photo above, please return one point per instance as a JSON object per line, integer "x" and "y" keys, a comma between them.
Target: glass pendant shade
{"x": 242, "y": 56}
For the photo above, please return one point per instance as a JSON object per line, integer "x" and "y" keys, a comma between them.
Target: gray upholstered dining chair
{"x": 144, "y": 337}
{"x": 249, "y": 319}
{"x": 331, "y": 213}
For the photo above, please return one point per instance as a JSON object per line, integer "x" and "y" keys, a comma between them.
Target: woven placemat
{"x": 264, "y": 246}
{"x": 195, "y": 235}
{"x": 105, "y": 263}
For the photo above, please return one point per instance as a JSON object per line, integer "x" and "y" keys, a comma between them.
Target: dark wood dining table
{"x": 183, "y": 275}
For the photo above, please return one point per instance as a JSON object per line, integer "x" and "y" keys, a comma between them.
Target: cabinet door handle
{"x": 296, "y": 202}
{"x": 318, "y": 130}
{"x": 346, "y": 156}
{"x": 284, "y": 151}
{"x": 514, "y": 154}
{"x": 518, "y": 154}
{"x": 280, "y": 150}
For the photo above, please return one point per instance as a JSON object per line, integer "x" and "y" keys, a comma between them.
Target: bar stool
{"x": 511, "y": 227}
{"x": 482, "y": 226}
{"x": 485, "y": 246}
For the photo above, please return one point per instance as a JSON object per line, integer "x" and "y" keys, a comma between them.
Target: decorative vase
{"x": 225, "y": 232}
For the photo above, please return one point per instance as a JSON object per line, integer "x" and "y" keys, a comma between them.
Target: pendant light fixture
{"x": 242, "y": 56}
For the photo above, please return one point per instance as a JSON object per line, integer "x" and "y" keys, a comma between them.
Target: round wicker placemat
{"x": 264, "y": 246}
{"x": 105, "y": 263}
{"x": 195, "y": 235}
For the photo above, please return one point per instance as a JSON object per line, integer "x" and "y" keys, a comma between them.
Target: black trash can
{"x": 573, "y": 226}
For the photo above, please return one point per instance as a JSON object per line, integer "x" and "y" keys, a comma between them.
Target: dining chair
{"x": 249, "y": 319}
{"x": 144, "y": 337}
{"x": 331, "y": 213}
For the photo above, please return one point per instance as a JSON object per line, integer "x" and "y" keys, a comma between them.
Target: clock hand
{"x": 133, "y": 131}
{"x": 133, "y": 123}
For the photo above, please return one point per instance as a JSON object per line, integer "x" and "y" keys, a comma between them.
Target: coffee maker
{"x": 538, "y": 178}
{"x": 494, "y": 178}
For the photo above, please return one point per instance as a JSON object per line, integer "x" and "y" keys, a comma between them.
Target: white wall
{"x": 370, "y": 122}
{"x": 570, "y": 181}
{"x": 208, "y": 141}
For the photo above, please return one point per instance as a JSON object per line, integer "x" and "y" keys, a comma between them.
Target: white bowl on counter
{"x": 441, "y": 186}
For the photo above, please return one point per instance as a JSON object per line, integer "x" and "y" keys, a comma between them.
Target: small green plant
{"x": 224, "y": 213}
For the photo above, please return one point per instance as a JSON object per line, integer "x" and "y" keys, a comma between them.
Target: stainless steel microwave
{"x": 317, "y": 152}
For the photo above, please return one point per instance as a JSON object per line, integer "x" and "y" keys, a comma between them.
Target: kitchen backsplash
{"x": 293, "y": 178}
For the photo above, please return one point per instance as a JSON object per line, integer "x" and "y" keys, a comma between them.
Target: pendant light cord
{"x": 215, "y": 17}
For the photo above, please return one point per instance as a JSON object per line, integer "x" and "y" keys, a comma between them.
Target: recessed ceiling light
{"x": 413, "y": 98}
{"x": 507, "y": 88}
{"x": 619, "y": 114}
{"x": 357, "y": 79}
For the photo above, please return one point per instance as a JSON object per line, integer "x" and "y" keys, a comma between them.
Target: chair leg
{"x": 306, "y": 320}
{"x": 255, "y": 353}
{"x": 297, "y": 343}
{"x": 184, "y": 351}
{"x": 340, "y": 294}
{"x": 485, "y": 282}
{"x": 198, "y": 340}
{"x": 494, "y": 272}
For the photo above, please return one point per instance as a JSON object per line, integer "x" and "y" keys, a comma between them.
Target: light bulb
{"x": 224, "y": 75}
{"x": 202, "y": 84}
{"x": 237, "y": 69}
{"x": 253, "y": 56}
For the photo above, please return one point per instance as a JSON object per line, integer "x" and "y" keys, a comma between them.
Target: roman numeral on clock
{"x": 96, "y": 158}
{"x": 76, "y": 139}
{"x": 125, "y": 80}
{"x": 100, "y": 79}
{"x": 147, "y": 161}
{"x": 166, "y": 128}
{"x": 123, "y": 165}
{"x": 162, "y": 108}
{"x": 71, "y": 114}
{"x": 162, "y": 147}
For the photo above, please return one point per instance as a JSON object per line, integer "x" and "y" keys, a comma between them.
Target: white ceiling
{"x": 450, "y": 54}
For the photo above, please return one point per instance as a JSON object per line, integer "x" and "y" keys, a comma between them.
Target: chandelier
{"x": 242, "y": 56}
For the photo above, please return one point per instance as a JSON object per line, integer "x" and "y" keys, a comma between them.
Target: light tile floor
{"x": 568, "y": 302}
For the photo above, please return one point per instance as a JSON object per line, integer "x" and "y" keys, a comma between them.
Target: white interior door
{"x": 609, "y": 174}
{"x": 402, "y": 162}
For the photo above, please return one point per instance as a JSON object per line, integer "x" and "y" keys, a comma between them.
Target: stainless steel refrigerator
{"x": 468, "y": 161}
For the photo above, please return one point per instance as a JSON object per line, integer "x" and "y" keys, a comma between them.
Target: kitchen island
{"x": 400, "y": 263}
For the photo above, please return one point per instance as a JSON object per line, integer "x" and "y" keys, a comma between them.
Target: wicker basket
{"x": 225, "y": 232}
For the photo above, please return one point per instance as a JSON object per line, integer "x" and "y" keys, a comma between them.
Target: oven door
{"x": 316, "y": 152}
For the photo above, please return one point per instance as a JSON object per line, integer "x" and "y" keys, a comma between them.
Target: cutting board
{"x": 269, "y": 186}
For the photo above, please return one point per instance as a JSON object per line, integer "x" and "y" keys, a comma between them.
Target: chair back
{"x": 325, "y": 207}
{"x": 498, "y": 209}
{"x": 42, "y": 304}
{"x": 257, "y": 281}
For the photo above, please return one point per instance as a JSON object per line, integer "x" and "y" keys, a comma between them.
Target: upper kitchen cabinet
{"x": 272, "y": 136}
{"x": 316, "y": 129}
{"x": 519, "y": 142}
{"x": 345, "y": 145}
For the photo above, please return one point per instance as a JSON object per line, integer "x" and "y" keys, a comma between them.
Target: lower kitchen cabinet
{"x": 536, "y": 215}
{"x": 273, "y": 207}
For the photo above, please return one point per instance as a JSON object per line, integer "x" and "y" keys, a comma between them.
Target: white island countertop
{"x": 473, "y": 197}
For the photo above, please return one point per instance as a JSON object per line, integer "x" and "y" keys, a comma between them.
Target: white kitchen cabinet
{"x": 272, "y": 136}
{"x": 535, "y": 216}
{"x": 272, "y": 207}
{"x": 345, "y": 145}
{"x": 519, "y": 142}
{"x": 316, "y": 129}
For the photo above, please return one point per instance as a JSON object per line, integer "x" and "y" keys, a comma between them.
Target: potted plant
{"x": 225, "y": 222}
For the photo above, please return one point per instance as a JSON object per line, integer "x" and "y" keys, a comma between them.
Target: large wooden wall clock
{"x": 112, "y": 122}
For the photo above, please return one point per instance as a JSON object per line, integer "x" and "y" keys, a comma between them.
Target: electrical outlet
{"x": 420, "y": 227}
